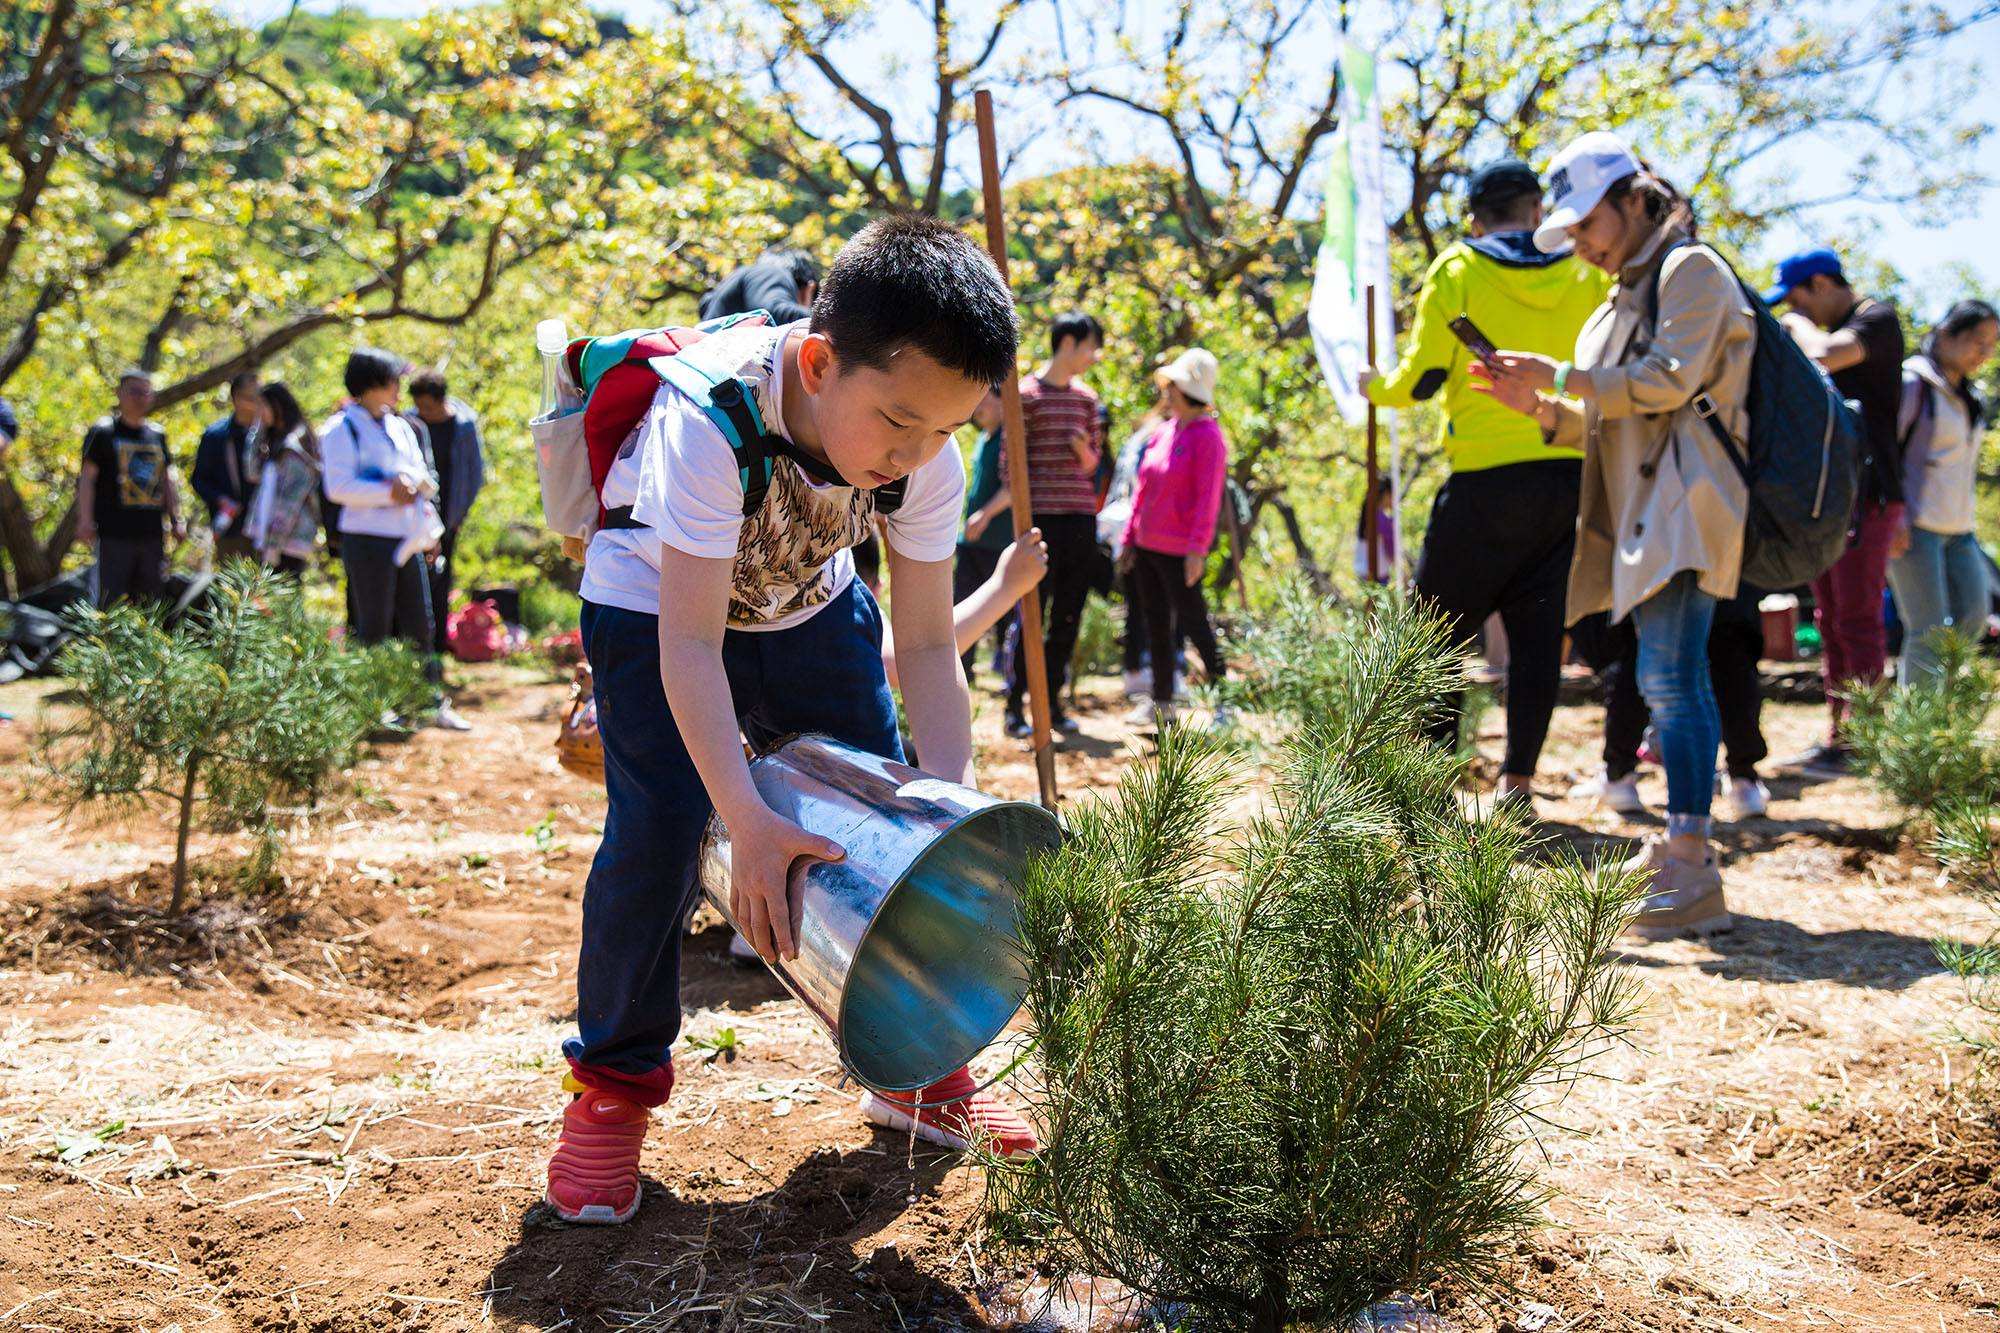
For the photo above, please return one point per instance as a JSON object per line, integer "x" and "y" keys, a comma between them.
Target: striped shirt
{"x": 1057, "y": 483}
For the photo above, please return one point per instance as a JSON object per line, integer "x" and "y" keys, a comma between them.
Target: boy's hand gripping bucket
{"x": 909, "y": 954}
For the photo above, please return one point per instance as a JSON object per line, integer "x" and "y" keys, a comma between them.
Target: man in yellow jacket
{"x": 1504, "y": 524}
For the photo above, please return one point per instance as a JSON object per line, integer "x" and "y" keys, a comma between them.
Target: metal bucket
{"x": 909, "y": 954}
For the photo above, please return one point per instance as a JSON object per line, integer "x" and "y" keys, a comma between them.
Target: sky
{"x": 1926, "y": 254}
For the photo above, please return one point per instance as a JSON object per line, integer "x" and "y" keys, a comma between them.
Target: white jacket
{"x": 363, "y": 455}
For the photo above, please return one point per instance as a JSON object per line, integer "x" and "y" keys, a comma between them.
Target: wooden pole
{"x": 1370, "y": 515}
{"x": 1016, "y": 439}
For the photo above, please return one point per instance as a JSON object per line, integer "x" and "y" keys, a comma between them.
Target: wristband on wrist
{"x": 1563, "y": 368}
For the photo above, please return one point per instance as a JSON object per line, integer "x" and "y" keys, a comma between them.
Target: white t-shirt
{"x": 679, "y": 474}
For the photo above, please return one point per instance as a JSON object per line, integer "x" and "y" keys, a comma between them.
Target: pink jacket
{"x": 1178, "y": 496}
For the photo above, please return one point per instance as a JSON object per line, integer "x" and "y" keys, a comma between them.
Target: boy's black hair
{"x": 912, "y": 281}
{"x": 134, "y": 373}
{"x": 371, "y": 368}
{"x": 804, "y": 268}
{"x": 241, "y": 380}
{"x": 1077, "y": 325}
{"x": 429, "y": 384}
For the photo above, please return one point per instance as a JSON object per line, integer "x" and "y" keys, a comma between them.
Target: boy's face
{"x": 878, "y": 425}
{"x": 1084, "y": 352}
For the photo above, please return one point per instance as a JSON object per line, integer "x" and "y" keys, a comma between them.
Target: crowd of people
{"x": 386, "y": 489}
{"x": 1593, "y": 359}
{"x": 1599, "y": 494}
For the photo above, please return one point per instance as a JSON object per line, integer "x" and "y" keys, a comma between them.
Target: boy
{"x": 689, "y": 603}
{"x": 124, "y": 491}
{"x": 1858, "y": 342}
{"x": 458, "y": 461}
{"x": 1065, "y": 442}
{"x": 227, "y": 463}
{"x": 979, "y": 556}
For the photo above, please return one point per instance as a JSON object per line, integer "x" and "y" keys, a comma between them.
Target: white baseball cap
{"x": 1193, "y": 372}
{"x": 1578, "y": 178}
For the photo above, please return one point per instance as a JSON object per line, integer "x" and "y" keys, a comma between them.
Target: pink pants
{"x": 1848, "y": 609}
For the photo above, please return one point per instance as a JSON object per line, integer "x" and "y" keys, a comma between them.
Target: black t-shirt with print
{"x": 1876, "y": 383}
{"x": 132, "y": 463}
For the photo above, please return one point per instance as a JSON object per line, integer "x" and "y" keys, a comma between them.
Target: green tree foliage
{"x": 245, "y": 708}
{"x": 183, "y": 190}
{"x": 198, "y": 197}
{"x": 1288, "y": 1069}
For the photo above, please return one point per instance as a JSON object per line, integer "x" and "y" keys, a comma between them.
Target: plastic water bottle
{"x": 551, "y": 340}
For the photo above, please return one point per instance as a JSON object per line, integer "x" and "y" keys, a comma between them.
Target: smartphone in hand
{"x": 1478, "y": 343}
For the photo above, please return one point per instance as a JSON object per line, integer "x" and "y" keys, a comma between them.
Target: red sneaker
{"x": 973, "y": 1119}
{"x": 594, "y": 1175}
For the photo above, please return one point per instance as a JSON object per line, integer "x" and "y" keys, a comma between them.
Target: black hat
{"x": 1501, "y": 182}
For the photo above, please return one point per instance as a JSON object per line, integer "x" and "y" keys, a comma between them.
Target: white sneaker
{"x": 1749, "y": 798}
{"x": 447, "y": 719}
{"x": 1138, "y": 681}
{"x": 1619, "y": 794}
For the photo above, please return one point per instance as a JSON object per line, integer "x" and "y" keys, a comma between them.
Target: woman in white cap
{"x": 1660, "y": 522}
{"x": 1175, "y": 502}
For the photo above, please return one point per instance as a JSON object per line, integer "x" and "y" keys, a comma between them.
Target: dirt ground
{"x": 329, "y": 1108}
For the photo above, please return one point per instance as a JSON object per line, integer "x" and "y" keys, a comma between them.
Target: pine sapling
{"x": 244, "y": 707}
{"x": 1289, "y": 1064}
{"x": 1930, "y": 746}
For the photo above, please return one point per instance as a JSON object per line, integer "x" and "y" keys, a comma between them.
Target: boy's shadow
{"x": 781, "y": 1258}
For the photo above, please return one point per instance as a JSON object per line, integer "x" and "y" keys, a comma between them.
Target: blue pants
{"x": 1673, "y": 626}
{"x": 1940, "y": 582}
{"x": 824, "y": 676}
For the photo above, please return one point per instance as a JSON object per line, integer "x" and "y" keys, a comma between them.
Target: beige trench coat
{"x": 1659, "y": 494}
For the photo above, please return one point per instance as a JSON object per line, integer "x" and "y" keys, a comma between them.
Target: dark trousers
{"x": 440, "y": 589}
{"x": 1132, "y": 647}
{"x": 1500, "y": 539}
{"x": 1735, "y": 645}
{"x": 1073, "y": 559}
{"x": 1847, "y": 608}
{"x": 1171, "y": 607}
{"x": 132, "y": 568}
{"x": 971, "y": 568}
{"x": 823, "y": 676}
{"x": 387, "y": 599}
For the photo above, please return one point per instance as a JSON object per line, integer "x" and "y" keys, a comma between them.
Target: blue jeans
{"x": 1940, "y": 583}
{"x": 824, "y": 676}
{"x": 1673, "y": 626}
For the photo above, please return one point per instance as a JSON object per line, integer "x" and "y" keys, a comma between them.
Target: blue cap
{"x": 1795, "y": 269}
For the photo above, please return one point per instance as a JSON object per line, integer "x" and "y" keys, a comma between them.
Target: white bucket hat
{"x": 1578, "y": 179}
{"x": 1193, "y": 372}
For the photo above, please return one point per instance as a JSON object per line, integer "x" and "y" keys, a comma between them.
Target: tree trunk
{"x": 34, "y": 562}
{"x": 181, "y": 838}
{"x": 1307, "y": 561}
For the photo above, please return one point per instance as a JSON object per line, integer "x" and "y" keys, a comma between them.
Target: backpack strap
{"x": 1703, "y": 405}
{"x": 730, "y": 402}
{"x": 1922, "y": 409}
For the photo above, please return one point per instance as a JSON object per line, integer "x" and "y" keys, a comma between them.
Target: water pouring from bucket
{"x": 908, "y": 952}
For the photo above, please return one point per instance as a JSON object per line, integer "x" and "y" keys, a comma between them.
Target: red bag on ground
{"x": 475, "y": 633}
